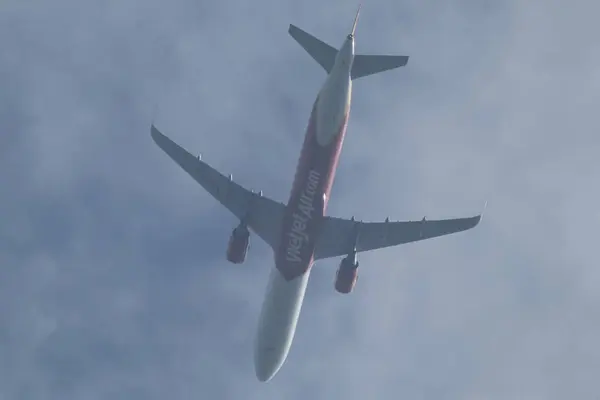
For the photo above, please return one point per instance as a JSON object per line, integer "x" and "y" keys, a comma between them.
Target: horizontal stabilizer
{"x": 320, "y": 51}
{"x": 371, "y": 64}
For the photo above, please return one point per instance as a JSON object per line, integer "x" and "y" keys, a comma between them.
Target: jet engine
{"x": 238, "y": 244}
{"x": 347, "y": 274}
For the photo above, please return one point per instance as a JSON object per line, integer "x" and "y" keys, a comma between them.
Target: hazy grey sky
{"x": 113, "y": 279}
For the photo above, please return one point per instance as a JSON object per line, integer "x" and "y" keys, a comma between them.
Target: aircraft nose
{"x": 266, "y": 364}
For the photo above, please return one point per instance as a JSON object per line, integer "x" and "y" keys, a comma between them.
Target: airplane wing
{"x": 262, "y": 215}
{"x": 339, "y": 236}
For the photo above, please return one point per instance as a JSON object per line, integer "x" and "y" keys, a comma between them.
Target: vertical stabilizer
{"x": 355, "y": 22}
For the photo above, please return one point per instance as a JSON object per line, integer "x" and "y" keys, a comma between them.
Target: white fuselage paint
{"x": 333, "y": 105}
{"x": 283, "y": 298}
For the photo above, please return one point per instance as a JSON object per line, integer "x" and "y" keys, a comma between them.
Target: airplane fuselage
{"x": 304, "y": 213}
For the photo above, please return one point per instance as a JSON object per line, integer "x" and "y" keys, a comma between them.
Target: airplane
{"x": 300, "y": 232}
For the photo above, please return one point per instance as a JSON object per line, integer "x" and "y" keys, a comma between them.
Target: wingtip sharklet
{"x": 483, "y": 211}
{"x": 154, "y": 113}
{"x": 479, "y": 217}
{"x": 158, "y": 137}
{"x": 154, "y": 131}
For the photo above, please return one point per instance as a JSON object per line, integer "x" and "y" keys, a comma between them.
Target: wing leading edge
{"x": 339, "y": 236}
{"x": 261, "y": 214}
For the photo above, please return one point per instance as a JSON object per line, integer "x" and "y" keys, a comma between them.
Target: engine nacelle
{"x": 238, "y": 244}
{"x": 346, "y": 275}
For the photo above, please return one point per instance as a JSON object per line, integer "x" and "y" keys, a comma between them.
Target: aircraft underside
{"x": 300, "y": 233}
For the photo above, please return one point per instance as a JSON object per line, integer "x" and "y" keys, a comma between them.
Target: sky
{"x": 113, "y": 279}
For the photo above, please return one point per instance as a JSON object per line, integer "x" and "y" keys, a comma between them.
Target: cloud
{"x": 114, "y": 281}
